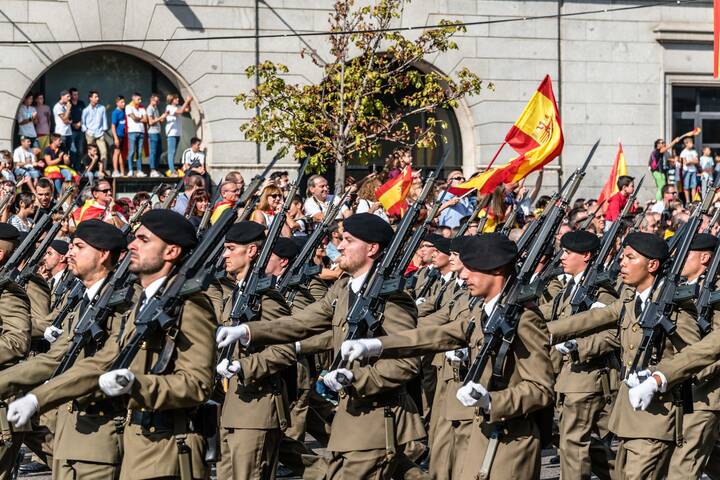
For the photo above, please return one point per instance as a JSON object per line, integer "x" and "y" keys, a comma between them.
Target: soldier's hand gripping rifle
{"x": 11, "y": 270}
{"x": 160, "y": 311}
{"x": 520, "y": 292}
{"x": 387, "y": 275}
{"x": 655, "y": 319}
{"x": 598, "y": 274}
{"x": 247, "y": 302}
{"x": 298, "y": 274}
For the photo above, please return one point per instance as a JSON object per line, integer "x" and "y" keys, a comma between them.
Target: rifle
{"x": 172, "y": 194}
{"x": 473, "y": 216}
{"x": 655, "y": 319}
{"x": 519, "y": 291}
{"x": 387, "y": 275}
{"x": 72, "y": 301}
{"x": 301, "y": 270}
{"x": 161, "y": 310}
{"x": 586, "y": 223}
{"x": 11, "y": 269}
{"x": 207, "y": 214}
{"x": 597, "y": 274}
{"x": 65, "y": 284}
{"x": 246, "y": 306}
{"x": 5, "y": 201}
{"x": 708, "y": 228}
{"x": 707, "y": 296}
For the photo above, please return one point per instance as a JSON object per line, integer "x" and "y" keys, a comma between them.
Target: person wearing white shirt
{"x": 26, "y": 118}
{"x": 136, "y": 120}
{"x": 61, "y": 114}
{"x": 25, "y": 160}
{"x": 173, "y": 126}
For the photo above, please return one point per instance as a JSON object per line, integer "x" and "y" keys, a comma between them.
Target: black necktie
{"x": 141, "y": 301}
{"x": 52, "y": 283}
{"x": 638, "y": 307}
{"x": 568, "y": 288}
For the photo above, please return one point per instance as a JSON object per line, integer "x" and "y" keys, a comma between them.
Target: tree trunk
{"x": 339, "y": 176}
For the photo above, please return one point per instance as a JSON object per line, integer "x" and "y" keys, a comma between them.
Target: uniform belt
{"x": 385, "y": 399}
{"x": 160, "y": 421}
{"x": 109, "y": 407}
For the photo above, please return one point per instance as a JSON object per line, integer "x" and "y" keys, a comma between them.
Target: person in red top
{"x": 626, "y": 186}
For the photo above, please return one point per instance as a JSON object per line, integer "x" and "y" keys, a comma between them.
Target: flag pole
{"x": 495, "y": 156}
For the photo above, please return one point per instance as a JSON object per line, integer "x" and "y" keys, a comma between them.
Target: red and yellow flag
{"x": 619, "y": 168}
{"x": 536, "y": 136}
{"x": 219, "y": 209}
{"x": 716, "y": 38}
{"x": 392, "y": 194}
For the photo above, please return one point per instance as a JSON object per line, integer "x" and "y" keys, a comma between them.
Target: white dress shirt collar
{"x": 490, "y": 304}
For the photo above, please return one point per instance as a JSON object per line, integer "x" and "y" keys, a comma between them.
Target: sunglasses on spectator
{"x": 275, "y": 195}
{"x": 457, "y": 178}
{"x": 105, "y": 190}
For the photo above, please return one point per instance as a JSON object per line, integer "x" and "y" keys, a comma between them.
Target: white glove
{"x": 566, "y": 347}
{"x": 455, "y": 359}
{"x": 635, "y": 379}
{"x": 228, "y": 335}
{"x": 331, "y": 381}
{"x": 227, "y": 369}
{"x": 21, "y": 410}
{"x": 362, "y": 349}
{"x": 420, "y": 301}
{"x": 116, "y": 382}
{"x": 52, "y": 333}
{"x": 641, "y": 395}
{"x": 474, "y": 395}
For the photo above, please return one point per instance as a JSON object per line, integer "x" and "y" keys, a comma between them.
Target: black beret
{"x": 100, "y": 235}
{"x": 704, "y": 242}
{"x": 245, "y": 232}
{"x": 285, "y": 248}
{"x": 648, "y": 245}
{"x": 439, "y": 242}
{"x": 580, "y": 241}
{"x": 456, "y": 243}
{"x": 60, "y": 246}
{"x": 8, "y": 232}
{"x": 172, "y": 227}
{"x": 369, "y": 228}
{"x": 487, "y": 252}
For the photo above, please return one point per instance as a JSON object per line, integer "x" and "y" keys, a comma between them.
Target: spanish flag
{"x": 219, "y": 209}
{"x": 392, "y": 194}
{"x": 536, "y": 136}
{"x": 716, "y": 38}
{"x": 619, "y": 168}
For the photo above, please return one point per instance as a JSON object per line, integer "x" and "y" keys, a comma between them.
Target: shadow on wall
{"x": 184, "y": 14}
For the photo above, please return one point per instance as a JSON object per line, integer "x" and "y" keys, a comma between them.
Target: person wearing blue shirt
{"x": 451, "y": 216}
{"x": 94, "y": 125}
{"x": 118, "y": 131}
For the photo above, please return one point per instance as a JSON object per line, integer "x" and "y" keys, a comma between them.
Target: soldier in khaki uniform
{"x": 649, "y": 437}
{"x": 54, "y": 265}
{"x": 86, "y": 443}
{"x": 426, "y": 273}
{"x": 255, "y": 409}
{"x": 508, "y": 407}
{"x": 585, "y": 380}
{"x": 362, "y": 443}
{"x": 162, "y": 407}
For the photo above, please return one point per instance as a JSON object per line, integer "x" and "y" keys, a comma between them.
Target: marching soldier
{"x": 426, "y": 275}
{"x": 86, "y": 442}
{"x": 647, "y": 438}
{"x": 55, "y": 265}
{"x": 505, "y": 441}
{"x": 162, "y": 419}
{"x": 255, "y": 410}
{"x": 377, "y": 418}
{"x": 585, "y": 382}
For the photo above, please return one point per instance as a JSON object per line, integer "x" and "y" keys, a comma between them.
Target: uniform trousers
{"x": 362, "y": 465}
{"x": 73, "y": 470}
{"x": 250, "y": 454}
{"x": 643, "y": 459}
{"x": 700, "y": 432}
{"x": 39, "y": 440}
{"x": 581, "y": 453}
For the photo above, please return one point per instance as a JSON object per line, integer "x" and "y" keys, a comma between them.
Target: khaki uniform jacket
{"x": 422, "y": 279}
{"x": 320, "y": 345}
{"x": 15, "y": 324}
{"x": 359, "y": 423}
{"x": 251, "y": 404}
{"x": 187, "y": 384}
{"x": 443, "y": 292}
{"x": 39, "y": 293}
{"x": 658, "y": 421}
{"x": 593, "y": 365}
{"x": 78, "y": 435}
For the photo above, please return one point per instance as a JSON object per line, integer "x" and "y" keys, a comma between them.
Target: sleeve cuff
{"x": 663, "y": 381}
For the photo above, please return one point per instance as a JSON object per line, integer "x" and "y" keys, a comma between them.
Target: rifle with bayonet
{"x": 655, "y": 319}
{"x": 520, "y": 290}
{"x": 598, "y": 273}
{"x": 248, "y": 297}
{"x": 172, "y": 194}
{"x": 160, "y": 312}
{"x": 387, "y": 275}
{"x": 11, "y": 269}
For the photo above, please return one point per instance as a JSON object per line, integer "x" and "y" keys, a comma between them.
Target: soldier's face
{"x": 440, "y": 259}
{"x": 455, "y": 264}
{"x": 52, "y": 258}
{"x": 426, "y": 252}
{"x": 83, "y": 259}
{"x": 695, "y": 264}
{"x": 634, "y": 268}
{"x": 148, "y": 253}
{"x": 276, "y": 265}
{"x": 478, "y": 283}
{"x": 238, "y": 257}
{"x": 573, "y": 262}
{"x": 355, "y": 254}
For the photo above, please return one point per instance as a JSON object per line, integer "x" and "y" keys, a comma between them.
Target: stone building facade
{"x": 629, "y": 75}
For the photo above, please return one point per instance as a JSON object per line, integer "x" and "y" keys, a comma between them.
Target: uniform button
{"x": 634, "y": 328}
{"x": 632, "y": 346}
{"x": 152, "y": 429}
{"x": 342, "y": 329}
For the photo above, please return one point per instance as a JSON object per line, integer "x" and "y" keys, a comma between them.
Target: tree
{"x": 370, "y": 88}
